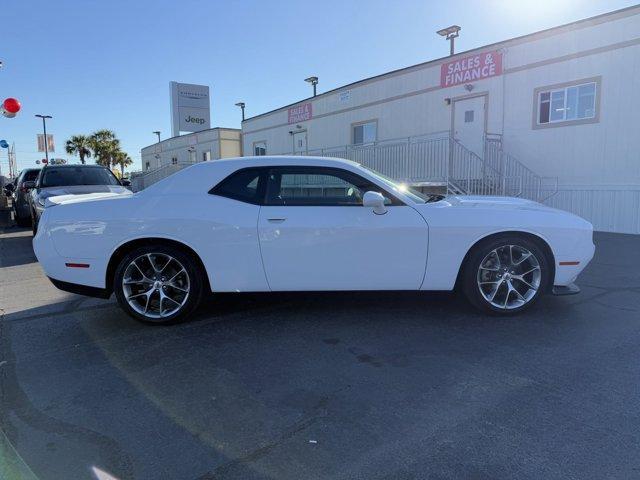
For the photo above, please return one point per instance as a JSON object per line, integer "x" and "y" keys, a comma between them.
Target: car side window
{"x": 318, "y": 186}
{"x": 245, "y": 185}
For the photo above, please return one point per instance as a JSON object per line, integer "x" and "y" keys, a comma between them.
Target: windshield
{"x": 68, "y": 176}
{"x": 412, "y": 193}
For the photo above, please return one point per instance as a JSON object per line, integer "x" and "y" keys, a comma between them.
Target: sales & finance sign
{"x": 300, "y": 113}
{"x": 470, "y": 69}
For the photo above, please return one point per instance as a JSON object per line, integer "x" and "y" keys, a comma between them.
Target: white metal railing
{"x": 140, "y": 182}
{"x": 533, "y": 186}
{"x": 434, "y": 159}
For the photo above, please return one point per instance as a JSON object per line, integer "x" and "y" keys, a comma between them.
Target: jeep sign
{"x": 189, "y": 108}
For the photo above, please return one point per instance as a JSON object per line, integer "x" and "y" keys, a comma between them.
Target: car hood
{"x": 81, "y": 190}
{"x": 63, "y": 195}
{"x": 498, "y": 203}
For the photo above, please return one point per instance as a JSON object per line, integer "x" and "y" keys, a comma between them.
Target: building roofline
{"x": 193, "y": 133}
{"x": 597, "y": 19}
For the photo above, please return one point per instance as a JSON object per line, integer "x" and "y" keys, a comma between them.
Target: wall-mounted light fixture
{"x": 450, "y": 33}
{"x": 447, "y": 101}
{"x": 468, "y": 87}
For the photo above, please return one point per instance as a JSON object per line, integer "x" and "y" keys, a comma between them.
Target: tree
{"x": 123, "y": 159}
{"x": 79, "y": 145}
{"x": 105, "y": 145}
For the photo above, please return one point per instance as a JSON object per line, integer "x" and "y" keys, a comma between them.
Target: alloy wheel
{"x": 156, "y": 285}
{"x": 509, "y": 277}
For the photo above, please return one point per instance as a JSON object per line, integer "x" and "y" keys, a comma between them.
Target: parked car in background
{"x": 256, "y": 224}
{"x": 23, "y": 184}
{"x": 70, "y": 181}
{"x": 9, "y": 189}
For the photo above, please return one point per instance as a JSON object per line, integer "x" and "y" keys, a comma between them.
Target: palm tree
{"x": 104, "y": 145}
{"x": 123, "y": 159}
{"x": 78, "y": 145}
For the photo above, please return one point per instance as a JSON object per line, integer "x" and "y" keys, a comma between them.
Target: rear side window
{"x": 244, "y": 185}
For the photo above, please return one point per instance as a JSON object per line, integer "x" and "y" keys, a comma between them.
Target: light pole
{"x": 313, "y": 81}
{"x": 450, "y": 33}
{"x": 157, "y": 132}
{"x": 44, "y": 128}
{"x": 241, "y": 105}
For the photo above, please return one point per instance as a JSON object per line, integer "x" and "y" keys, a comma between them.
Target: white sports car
{"x": 260, "y": 224}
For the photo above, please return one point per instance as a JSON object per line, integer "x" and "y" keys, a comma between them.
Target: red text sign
{"x": 470, "y": 69}
{"x": 300, "y": 113}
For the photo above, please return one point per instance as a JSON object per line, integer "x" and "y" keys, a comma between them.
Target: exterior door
{"x": 300, "y": 143}
{"x": 469, "y": 123}
{"x": 315, "y": 234}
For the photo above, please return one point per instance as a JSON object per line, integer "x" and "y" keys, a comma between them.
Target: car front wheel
{"x": 506, "y": 275}
{"x": 158, "y": 284}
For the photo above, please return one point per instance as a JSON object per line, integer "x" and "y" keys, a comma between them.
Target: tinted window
{"x": 245, "y": 185}
{"x": 66, "y": 176}
{"x": 317, "y": 186}
{"x": 31, "y": 175}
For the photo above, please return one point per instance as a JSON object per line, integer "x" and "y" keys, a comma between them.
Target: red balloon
{"x": 11, "y": 105}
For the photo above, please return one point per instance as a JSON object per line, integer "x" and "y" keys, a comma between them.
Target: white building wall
{"x": 596, "y": 164}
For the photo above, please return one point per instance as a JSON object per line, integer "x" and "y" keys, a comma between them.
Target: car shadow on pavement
{"x": 15, "y": 247}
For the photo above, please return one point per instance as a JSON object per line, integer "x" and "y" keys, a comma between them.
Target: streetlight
{"x": 241, "y": 105}
{"x": 44, "y": 128}
{"x": 450, "y": 33}
{"x": 157, "y": 132}
{"x": 313, "y": 81}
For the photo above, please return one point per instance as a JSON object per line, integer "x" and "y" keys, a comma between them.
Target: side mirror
{"x": 28, "y": 185}
{"x": 374, "y": 200}
{"x": 125, "y": 182}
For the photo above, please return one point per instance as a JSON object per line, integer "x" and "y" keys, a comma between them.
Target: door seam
{"x": 264, "y": 269}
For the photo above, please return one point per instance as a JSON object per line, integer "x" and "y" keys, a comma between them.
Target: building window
{"x": 364, "y": 132}
{"x": 468, "y": 116}
{"x": 206, "y": 156}
{"x": 146, "y": 165}
{"x": 260, "y": 149}
{"x": 567, "y": 104}
{"x": 174, "y": 160}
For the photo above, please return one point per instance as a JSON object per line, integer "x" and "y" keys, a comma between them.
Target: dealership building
{"x": 548, "y": 116}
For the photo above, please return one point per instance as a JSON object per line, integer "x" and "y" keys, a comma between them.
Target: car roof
{"x": 273, "y": 160}
{"x": 69, "y": 165}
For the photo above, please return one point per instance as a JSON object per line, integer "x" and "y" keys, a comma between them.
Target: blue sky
{"x": 107, "y": 64}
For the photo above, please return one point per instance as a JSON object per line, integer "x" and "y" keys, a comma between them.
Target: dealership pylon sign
{"x": 190, "y": 111}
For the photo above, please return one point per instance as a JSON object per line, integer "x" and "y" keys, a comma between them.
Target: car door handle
{"x": 276, "y": 220}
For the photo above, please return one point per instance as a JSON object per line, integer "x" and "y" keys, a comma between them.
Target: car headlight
{"x": 41, "y": 201}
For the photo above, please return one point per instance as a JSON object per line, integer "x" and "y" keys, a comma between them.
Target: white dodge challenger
{"x": 260, "y": 224}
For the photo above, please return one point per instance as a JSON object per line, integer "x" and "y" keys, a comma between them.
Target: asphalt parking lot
{"x": 345, "y": 386}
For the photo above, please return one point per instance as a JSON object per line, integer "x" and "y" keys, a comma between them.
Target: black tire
{"x": 471, "y": 275}
{"x": 195, "y": 283}
{"x": 34, "y": 224}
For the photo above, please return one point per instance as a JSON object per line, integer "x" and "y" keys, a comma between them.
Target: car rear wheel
{"x": 158, "y": 284}
{"x": 506, "y": 275}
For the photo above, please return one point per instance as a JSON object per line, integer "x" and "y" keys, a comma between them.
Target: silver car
{"x": 58, "y": 180}
{"x": 23, "y": 184}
